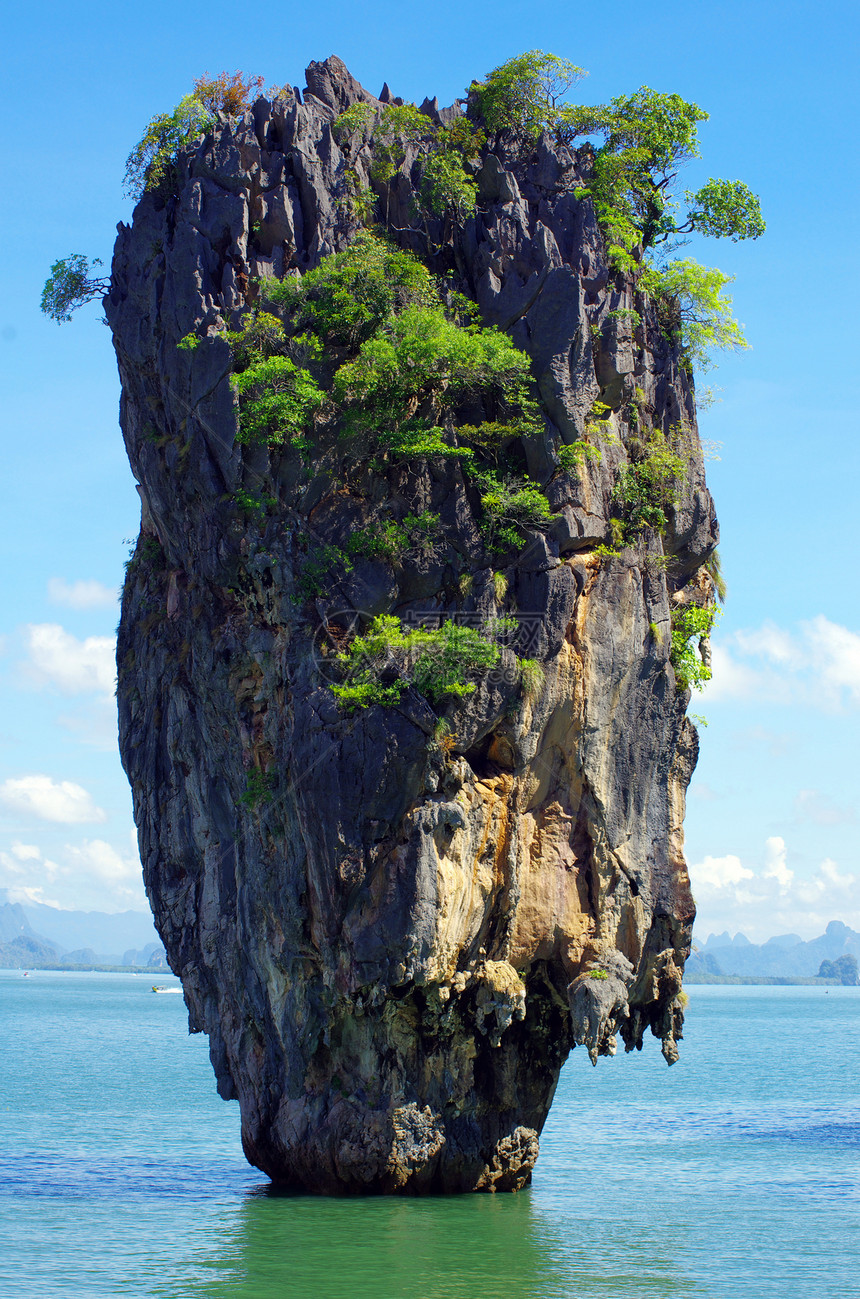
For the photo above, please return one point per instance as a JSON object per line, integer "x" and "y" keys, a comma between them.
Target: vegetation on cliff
{"x": 646, "y": 138}
{"x": 372, "y": 348}
{"x": 403, "y": 654}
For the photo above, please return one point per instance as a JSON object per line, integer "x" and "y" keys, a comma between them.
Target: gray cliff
{"x": 394, "y": 951}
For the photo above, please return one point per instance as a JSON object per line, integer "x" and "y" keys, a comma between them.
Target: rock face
{"x": 393, "y": 948}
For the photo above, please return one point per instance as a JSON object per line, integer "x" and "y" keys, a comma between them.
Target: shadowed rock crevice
{"x": 393, "y": 944}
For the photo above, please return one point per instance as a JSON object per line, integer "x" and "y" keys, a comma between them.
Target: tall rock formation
{"x": 393, "y": 943}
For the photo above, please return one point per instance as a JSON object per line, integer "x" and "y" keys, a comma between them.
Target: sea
{"x": 734, "y": 1173}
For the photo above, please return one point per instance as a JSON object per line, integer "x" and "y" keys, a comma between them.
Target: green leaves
{"x": 439, "y": 662}
{"x": 262, "y": 335}
{"x": 387, "y": 539}
{"x": 277, "y": 401}
{"x": 696, "y": 308}
{"x": 509, "y": 504}
{"x": 421, "y": 357}
{"x": 150, "y": 162}
{"x": 690, "y": 623}
{"x": 524, "y": 94}
{"x": 446, "y": 184}
{"x": 663, "y": 127}
{"x": 448, "y": 657}
{"x": 645, "y": 490}
{"x": 726, "y": 208}
{"x": 413, "y": 370}
{"x": 69, "y": 286}
{"x": 350, "y": 295}
{"x": 400, "y": 127}
{"x": 357, "y": 118}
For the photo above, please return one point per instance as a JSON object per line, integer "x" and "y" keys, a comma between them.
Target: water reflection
{"x": 492, "y": 1247}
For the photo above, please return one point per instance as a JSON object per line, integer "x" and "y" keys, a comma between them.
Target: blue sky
{"x": 772, "y": 828}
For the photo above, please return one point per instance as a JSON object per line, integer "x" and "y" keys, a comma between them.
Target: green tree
{"x": 421, "y": 364}
{"x": 70, "y": 285}
{"x": 648, "y": 137}
{"x": 350, "y": 295}
{"x": 645, "y": 139}
{"x": 524, "y": 95}
{"x": 399, "y": 128}
{"x": 695, "y": 308}
{"x": 691, "y": 626}
{"x": 150, "y": 163}
{"x": 447, "y": 186}
{"x": 645, "y": 490}
{"x": 725, "y": 209}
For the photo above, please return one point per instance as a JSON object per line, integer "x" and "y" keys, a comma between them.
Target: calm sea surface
{"x": 735, "y": 1173}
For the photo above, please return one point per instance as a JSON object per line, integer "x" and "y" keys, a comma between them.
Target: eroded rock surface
{"x": 393, "y": 951}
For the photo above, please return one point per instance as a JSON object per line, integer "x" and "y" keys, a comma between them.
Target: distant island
{"x": 786, "y": 958}
{"x": 38, "y": 937}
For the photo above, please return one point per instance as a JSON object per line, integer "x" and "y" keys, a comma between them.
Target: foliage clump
{"x": 70, "y": 285}
{"x": 525, "y": 95}
{"x": 151, "y": 163}
{"x": 258, "y": 789}
{"x": 694, "y": 310}
{"x": 509, "y": 504}
{"x": 389, "y": 540}
{"x": 228, "y": 93}
{"x": 383, "y": 539}
{"x": 642, "y": 140}
{"x": 645, "y": 489}
{"x": 277, "y": 398}
{"x": 395, "y": 132}
{"x": 410, "y": 360}
{"x": 691, "y": 626}
{"x": 421, "y": 361}
{"x": 440, "y": 663}
{"x": 351, "y": 295}
{"x": 277, "y": 401}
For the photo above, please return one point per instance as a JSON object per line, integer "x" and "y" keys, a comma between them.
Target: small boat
{"x": 157, "y": 988}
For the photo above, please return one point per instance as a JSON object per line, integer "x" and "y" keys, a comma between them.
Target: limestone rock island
{"x": 422, "y": 497}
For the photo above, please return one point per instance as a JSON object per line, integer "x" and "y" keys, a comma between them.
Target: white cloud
{"x": 83, "y": 594}
{"x": 773, "y": 899}
{"x": 775, "y": 865}
{"x": 73, "y": 666}
{"x": 731, "y": 679}
{"x": 25, "y": 851}
{"x": 50, "y": 800}
{"x": 836, "y": 655}
{"x": 91, "y": 875}
{"x": 14, "y": 870}
{"x": 719, "y": 872}
{"x": 829, "y": 873}
{"x": 30, "y": 893}
{"x": 96, "y": 858}
{"x": 769, "y": 642}
{"x": 817, "y": 665}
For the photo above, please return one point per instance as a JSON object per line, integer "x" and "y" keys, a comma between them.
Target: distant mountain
{"x": 33, "y": 934}
{"x": 26, "y": 950}
{"x": 100, "y": 930}
{"x": 785, "y": 955}
{"x": 13, "y": 923}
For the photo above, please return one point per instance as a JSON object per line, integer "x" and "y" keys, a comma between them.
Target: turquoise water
{"x": 733, "y": 1174}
